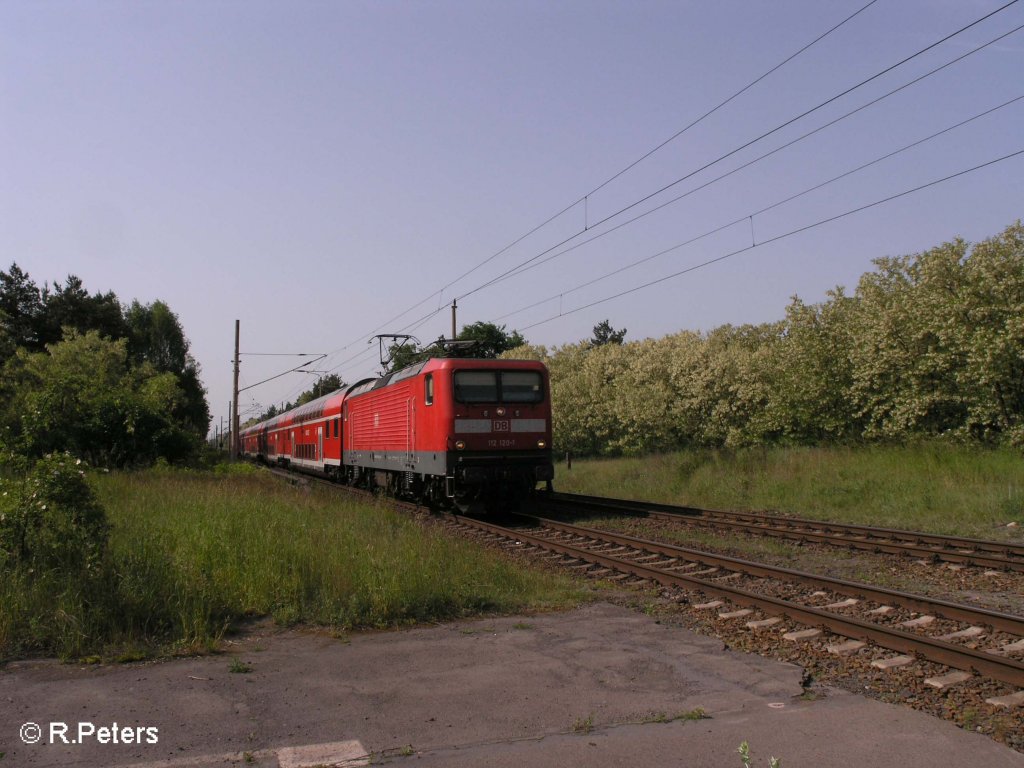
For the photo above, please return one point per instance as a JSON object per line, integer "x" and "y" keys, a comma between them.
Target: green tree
{"x": 993, "y": 312}
{"x": 82, "y": 396}
{"x": 155, "y": 337}
{"x": 492, "y": 339}
{"x": 270, "y": 413}
{"x": 403, "y": 354}
{"x": 332, "y": 382}
{"x": 8, "y": 345}
{"x": 910, "y": 353}
{"x": 686, "y": 359}
{"x": 580, "y": 423}
{"x": 643, "y": 396}
{"x": 605, "y": 334}
{"x": 733, "y": 388}
{"x": 39, "y": 321}
{"x": 810, "y": 374}
{"x": 70, "y": 306}
{"x": 21, "y": 304}
{"x": 33, "y": 318}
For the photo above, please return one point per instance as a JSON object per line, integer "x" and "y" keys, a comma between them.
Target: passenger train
{"x": 469, "y": 434}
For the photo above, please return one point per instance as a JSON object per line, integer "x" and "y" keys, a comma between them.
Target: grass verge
{"x": 191, "y": 554}
{"x": 934, "y": 487}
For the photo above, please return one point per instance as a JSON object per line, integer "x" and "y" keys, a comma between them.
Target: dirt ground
{"x": 601, "y": 685}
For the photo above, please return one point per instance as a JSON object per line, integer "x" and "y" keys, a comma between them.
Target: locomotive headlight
{"x": 500, "y": 411}
{"x": 459, "y": 445}
{"x": 541, "y": 444}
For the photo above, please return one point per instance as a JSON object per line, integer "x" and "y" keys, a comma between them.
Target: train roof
{"x": 408, "y": 372}
{"x": 433, "y": 364}
{"x": 304, "y": 412}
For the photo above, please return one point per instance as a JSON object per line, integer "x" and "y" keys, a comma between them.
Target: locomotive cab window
{"x": 476, "y": 386}
{"x": 498, "y": 387}
{"x": 521, "y": 387}
{"x": 428, "y": 389}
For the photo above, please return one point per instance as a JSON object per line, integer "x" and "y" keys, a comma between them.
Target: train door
{"x": 410, "y": 432}
{"x": 320, "y": 443}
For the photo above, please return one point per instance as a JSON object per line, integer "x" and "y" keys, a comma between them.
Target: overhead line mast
{"x": 234, "y": 402}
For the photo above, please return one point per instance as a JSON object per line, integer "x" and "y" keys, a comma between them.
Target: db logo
{"x": 501, "y": 425}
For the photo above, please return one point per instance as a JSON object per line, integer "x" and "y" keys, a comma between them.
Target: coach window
{"x": 336, "y": 427}
{"x": 428, "y": 389}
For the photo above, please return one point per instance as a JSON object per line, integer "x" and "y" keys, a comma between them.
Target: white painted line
{"x": 338, "y": 753}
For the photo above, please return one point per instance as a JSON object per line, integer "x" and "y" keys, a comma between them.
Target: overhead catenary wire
{"x": 740, "y": 92}
{"x": 439, "y": 293}
{"x": 347, "y": 362}
{"x": 749, "y": 143}
{"x": 548, "y": 257}
{"x": 284, "y": 373}
{"x": 433, "y": 313}
{"x": 775, "y": 239}
{"x": 531, "y": 263}
{"x": 585, "y": 198}
{"x": 750, "y": 216}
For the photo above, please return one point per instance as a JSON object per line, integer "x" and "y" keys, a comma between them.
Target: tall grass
{"x": 193, "y": 553}
{"x": 933, "y": 486}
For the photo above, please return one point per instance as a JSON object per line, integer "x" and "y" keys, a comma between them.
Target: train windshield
{"x": 521, "y": 387}
{"x": 476, "y": 386}
{"x": 498, "y": 387}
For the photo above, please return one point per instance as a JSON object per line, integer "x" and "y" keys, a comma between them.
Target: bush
{"x": 50, "y": 519}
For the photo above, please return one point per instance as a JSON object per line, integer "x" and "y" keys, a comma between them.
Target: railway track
{"x": 962, "y": 637}
{"x": 913, "y": 626}
{"x": 997, "y": 555}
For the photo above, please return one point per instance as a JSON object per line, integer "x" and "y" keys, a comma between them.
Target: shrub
{"x": 50, "y": 519}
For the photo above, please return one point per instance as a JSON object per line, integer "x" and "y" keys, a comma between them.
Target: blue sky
{"x": 316, "y": 168}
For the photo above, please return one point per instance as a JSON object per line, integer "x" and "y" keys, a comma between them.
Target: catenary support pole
{"x": 234, "y": 411}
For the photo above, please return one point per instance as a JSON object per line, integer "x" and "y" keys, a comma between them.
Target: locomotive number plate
{"x": 501, "y": 425}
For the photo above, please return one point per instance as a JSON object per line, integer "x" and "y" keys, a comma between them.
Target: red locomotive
{"x": 473, "y": 434}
